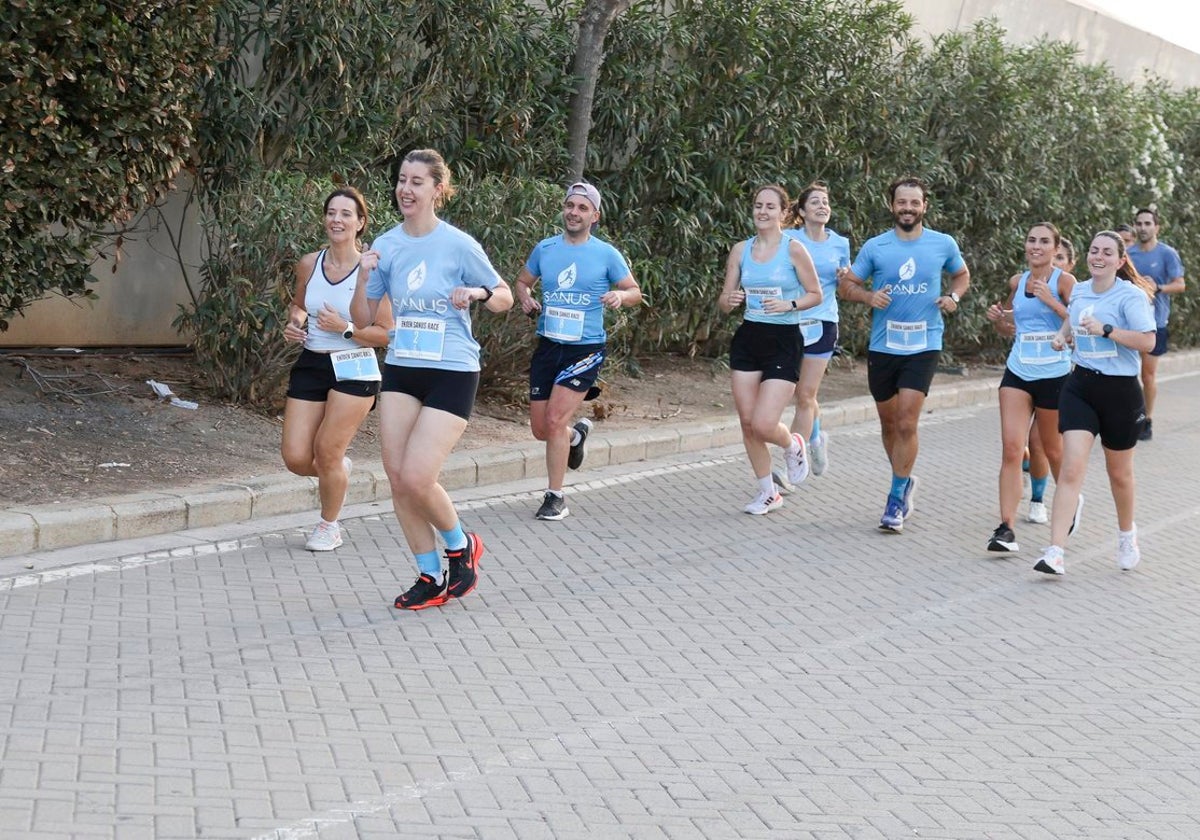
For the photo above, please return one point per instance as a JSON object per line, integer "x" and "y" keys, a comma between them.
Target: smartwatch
{"x": 349, "y": 331}
{"x": 954, "y": 297}
{"x": 488, "y": 291}
{"x": 1108, "y": 328}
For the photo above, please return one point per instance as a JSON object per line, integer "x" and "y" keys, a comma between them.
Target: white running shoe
{"x": 818, "y": 450}
{"x": 764, "y": 504}
{"x": 1128, "y": 553}
{"x": 1037, "y": 513}
{"x": 325, "y": 537}
{"x": 1052, "y": 561}
{"x": 797, "y": 462}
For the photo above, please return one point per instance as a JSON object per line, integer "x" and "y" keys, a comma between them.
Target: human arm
{"x": 294, "y": 328}
{"x": 959, "y": 283}
{"x": 626, "y": 293}
{"x": 810, "y": 283}
{"x": 524, "y": 291}
{"x": 852, "y": 287}
{"x": 732, "y": 295}
{"x": 498, "y": 298}
{"x": 1001, "y": 314}
{"x": 363, "y": 310}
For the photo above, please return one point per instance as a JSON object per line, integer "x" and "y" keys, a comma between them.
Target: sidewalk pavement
{"x": 29, "y": 529}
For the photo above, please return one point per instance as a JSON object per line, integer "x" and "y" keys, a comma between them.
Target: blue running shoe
{"x": 893, "y": 516}
{"x": 909, "y": 502}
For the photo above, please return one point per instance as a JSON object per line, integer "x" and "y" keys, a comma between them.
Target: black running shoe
{"x": 464, "y": 567}
{"x": 1147, "y": 432}
{"x": 1003, "y": 539}
{"x": 579, "y": 450}
{"x": 554, "y": 507}
{"x": 426, "y": 592}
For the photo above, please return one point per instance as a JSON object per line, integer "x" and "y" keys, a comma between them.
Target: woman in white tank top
{"x": 334, "y": 382}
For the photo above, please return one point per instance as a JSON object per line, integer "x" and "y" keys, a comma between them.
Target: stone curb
{"x": 31, "y": 528}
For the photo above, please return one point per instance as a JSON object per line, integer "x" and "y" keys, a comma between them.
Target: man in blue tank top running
{"x": 905, "y": 267}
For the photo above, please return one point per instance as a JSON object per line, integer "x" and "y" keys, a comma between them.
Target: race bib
{"x": 419, "y": 338}
{"x": 563, "y": 324}
{"x": 756, "y": 294}
{"x": 909, "y": 336}
{"x": 1036, "y": 349}
{"x": 358, "y": 364}
{"x": 811, "y": 330}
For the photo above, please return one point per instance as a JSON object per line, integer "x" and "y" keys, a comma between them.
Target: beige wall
{"x": 138, "y": 302}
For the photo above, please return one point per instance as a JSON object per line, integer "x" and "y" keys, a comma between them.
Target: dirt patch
{"x": 83, "y": 426}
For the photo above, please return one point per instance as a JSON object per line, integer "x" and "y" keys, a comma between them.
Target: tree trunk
{"x": 594, "y": 22}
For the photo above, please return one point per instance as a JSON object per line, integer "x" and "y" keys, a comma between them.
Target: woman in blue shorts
{"x": 1034, "y": 374}
{"x": 1110, "y": 323}
{"x": 830, "y": 252}
{"x": 432, "y": 271}
{"x": 327, "y": 400}
{"x": 774, "y": 277}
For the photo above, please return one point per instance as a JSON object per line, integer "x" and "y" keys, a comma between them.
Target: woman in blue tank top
{"x": 1034, "y": 374}
{"x": 774, "y": 277}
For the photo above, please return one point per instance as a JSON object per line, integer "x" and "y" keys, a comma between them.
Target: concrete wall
{"x": 138, "y": 302}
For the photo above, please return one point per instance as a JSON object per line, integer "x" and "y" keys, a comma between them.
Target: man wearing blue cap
{"x": 580, "y": 276}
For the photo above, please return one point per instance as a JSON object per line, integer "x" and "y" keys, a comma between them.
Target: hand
{"x": 946, "y": 304}
{"x": 330, "y": 320}
{"x": 736, "y": 297}
{"x": 776, "y": 306}
{"x": 295, "y": 332}
{"x": 881, "y": 298}
{"x": 1090, "y": 326}
{"x": 462, "y": 296}
{"x": 613, "y": 299}
{"x": 369, "y": 260}
{"x": 528, "y": 305}
{"x": 996, "y": 312}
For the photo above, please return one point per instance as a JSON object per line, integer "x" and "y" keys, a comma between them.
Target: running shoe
{"x": 464, "y": 567}
{"x": 797, "y": 462}
{"x": 554, "y": 507}
{"x": 764, "y": 504}
{"x": 1128, "y": 553}
{"x": 1037, "y": 513}
{"x": 818, "y": 450}
{"x": 579, "y": 450}
{"x": 1078, "y": 515}
{"x": 426, "y": 592}
{"x": 782, "y": 485}
{"x": 909, "y": 500}
{"x": 325, "y": 537}
{"x": 1052, "y": 561}
{"x": 1147, "y": 432}
{"x": 893, "y": 515}
{"x": 1003, "y": 539}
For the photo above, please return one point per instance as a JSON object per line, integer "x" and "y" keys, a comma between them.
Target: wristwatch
{"x": 954, "y": 297}
{"x": 1108, "y": 328}
{"x": 349, "y": 331}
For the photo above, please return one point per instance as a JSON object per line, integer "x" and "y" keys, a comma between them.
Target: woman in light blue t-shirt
{"x": 1110, "y": 322}
{"x": 432, "y": 272}
{"x": 830, "y": 252}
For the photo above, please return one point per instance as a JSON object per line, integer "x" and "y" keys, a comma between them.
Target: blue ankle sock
{"x": 455, "y": 538}
{"x": 1037, "y": 487}
{"x": 430, "y": 564}
{"x": 816, "y": 432}
{"x": 898, "y": 486}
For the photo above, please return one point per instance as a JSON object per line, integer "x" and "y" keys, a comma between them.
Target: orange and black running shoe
{"x": 464, "y": 567}
{"x": 426, "y": 592}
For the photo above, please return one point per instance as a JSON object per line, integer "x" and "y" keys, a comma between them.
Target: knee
{"x": 298, "y": 461}
{"x": 763, "y": 430}
{"x": 806, "y": 397}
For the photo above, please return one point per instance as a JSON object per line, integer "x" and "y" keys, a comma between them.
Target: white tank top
{"x": 337, "y": 293}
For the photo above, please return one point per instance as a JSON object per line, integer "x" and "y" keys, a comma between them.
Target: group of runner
{"x": 787, "y": 281}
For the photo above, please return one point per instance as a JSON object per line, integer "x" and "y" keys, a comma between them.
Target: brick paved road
{"x": 659, "y": 665}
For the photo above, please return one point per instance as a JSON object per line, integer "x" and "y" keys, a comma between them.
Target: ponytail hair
{"x": 1127, "y": 271}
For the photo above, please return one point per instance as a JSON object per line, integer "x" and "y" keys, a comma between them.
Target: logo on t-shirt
{"x": 909, "y": 270}
{"x": 567, "y": 277}
{"x": 416, "y": 277}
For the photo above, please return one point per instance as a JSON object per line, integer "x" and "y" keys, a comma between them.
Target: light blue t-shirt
{"x": 1162, "y": 265}
{"x": 573, "y": 279}
{"x": 1032, "y": 357}
{"x": 1126, "y": 307}
{"x": 418, "y": 273}
{"x": 776, "y": 278}
{"x": 828, "y": 256}
{"x": 912, "y": 272}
